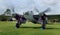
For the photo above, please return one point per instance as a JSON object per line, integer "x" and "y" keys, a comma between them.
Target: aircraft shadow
{"x": 38, "y": 27}
{"x": 30, "y": 27}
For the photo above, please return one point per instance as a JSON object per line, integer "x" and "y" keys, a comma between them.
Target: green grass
{"x": 8, "y": 28}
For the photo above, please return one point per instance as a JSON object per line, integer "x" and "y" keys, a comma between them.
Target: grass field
{"x": 8, "y": 28}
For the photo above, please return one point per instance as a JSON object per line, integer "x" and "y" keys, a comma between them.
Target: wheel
{"x": 17, "y": 25}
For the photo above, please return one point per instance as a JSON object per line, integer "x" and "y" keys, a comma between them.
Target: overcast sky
{"x": 21, "y": 6}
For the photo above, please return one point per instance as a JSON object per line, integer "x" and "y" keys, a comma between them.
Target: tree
{"x": 7, "y": 12}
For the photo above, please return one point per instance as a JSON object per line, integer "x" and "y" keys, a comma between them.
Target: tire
{"x": 17, "y": 25}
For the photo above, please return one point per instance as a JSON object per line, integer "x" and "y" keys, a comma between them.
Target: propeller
{"x": 47, "y": 10}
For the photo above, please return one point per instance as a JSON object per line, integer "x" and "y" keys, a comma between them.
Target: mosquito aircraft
{"x": 29, "y": 16}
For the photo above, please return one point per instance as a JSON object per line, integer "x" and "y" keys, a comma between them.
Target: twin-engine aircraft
{"x": 30, "y": 17}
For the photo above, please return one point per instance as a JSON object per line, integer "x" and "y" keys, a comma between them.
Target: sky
{"x": 21, "y": 6}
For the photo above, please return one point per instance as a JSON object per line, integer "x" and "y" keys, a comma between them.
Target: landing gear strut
{"x": 18, "y": 24}
{"x": 43, "y": 25}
